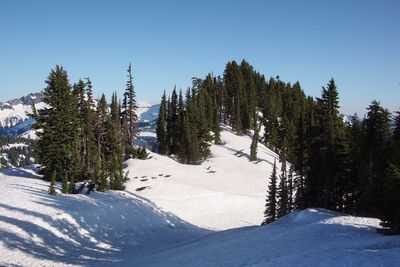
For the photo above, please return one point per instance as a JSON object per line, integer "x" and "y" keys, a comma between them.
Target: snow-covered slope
{"x": 179, "y": 215}
{"x": 313, "y": 237}
{"x": 226, "y": 190}
{"x": 101, "y": 229}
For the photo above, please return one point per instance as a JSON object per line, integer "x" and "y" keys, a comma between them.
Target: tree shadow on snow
{"x": 99, "y": 229}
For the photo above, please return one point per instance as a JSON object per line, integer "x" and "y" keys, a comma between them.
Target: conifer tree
{"x": 162, "y": 126}
{"x": 254, "y": 143}
{"x": 71, "y": 185}
{"x": 130, "y": 118}
{"x": 390, "y": 207}
{"x": 64, "y": 185}
{"x": 270, "y": 213}
{"x": 58, "y": 123}
{"x": 377, "y": 136}
{"x": 52, "y": 189}
{"x": 290, "y": 189}
{"x": 282, "y": 192}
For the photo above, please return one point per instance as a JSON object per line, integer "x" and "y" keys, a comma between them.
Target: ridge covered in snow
{"x": 14, "y": 120}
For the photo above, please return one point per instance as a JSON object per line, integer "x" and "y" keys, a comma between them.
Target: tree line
{"x": 326, "y": 161}
{"x": 81, "y": 139}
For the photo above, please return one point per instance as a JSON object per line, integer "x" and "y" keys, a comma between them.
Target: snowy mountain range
{"x": 15, "y": 122}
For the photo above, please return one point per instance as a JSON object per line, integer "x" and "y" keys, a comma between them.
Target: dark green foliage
{"x": 254, "y": 143}
{"x": 162, "y": 126}
{"x": 71, "y": 185}
{"x": 56, "y": 142}
{"x": 282, "y": 192}
{"x": 270, "y": 213}
{"x": 377, "y": 134}
{"x": 82, "y": 142}
{"x": 129, "y": 116}
{"x": 52, "y": 186}
{"x": 64, "y": 185}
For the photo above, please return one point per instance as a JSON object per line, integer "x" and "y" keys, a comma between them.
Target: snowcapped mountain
{"x": 15, "y": 122}
{"x": 13, "y": 118}
{"x": 172, "y": 214}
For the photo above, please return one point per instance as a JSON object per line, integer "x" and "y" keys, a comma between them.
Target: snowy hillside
{"x": 180, "y": 215}
{"x": 222, "y": 188}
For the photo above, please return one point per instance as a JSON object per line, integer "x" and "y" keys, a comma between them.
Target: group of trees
{"x": 186, "y": 127}
{"x": 15, "y": 151}
{"x": 81, "y": 139}
{"x": 326, "y": 161}
{"x": 350, "y": 166}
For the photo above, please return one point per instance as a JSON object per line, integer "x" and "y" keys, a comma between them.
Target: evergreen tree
{"x": 64, "y": 185}
{"x": 162, "y": 126}
{"x": 377, "y": 135}
{"x": 58, "y": 123}
{"x": 282, "y": 192}
{"x": 254, "y": 143}
{"x": 129, "y": 114}
{"x": 71, "y": 185}
{"x": 270, "y": 213}
{"x": 52, "y": 189}
{"x": 390, "y": 207}
{"x": 290, "y": 189}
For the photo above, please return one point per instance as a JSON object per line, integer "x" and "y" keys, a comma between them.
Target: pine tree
{"x": 172, "y": 120}
{"x": 377, "y": 135}
{"x": 282, "y": 192}
{"x": 71, "y": 185}
{"x": 64, "y": 185}
{"x": 58, "y": 123}
{"x": 390, "y": 206}
{"x": 52, "y": 189}
{"x": 254, "y": 143}
{"x": 270, "y": 214}
{"x": 162, "y": 126}
{"x": 129, "y": 114}
{"x": 332, "y": 143}
{"x": 290, "y": 189}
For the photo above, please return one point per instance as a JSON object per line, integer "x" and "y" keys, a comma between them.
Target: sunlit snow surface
{"x": 179, "y": 215}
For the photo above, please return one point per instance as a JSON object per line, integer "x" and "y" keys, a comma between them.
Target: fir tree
{"x": 129, "y": 115}
{"x": 377, "y": 136}
{"x": 64, "y": 185}
{"x": 254, "y": 143}
{"x": 52, "y": 189}
{"x": 282, "y": 192}
{"x": 162, "y": 126}
{"x": 58, "y": 123}
{"x": 71, "y": 185}
{"x": 270, "y": 213}
{"x": 390, "y": 206}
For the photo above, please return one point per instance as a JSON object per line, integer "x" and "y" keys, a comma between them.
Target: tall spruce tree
{"x": 58, "y": 123}
{"x": 377, "y": 135}
{"x": 270, "y": 213}
{"x": 129, "y": 120}
{"x": 161, "y": 130}
{"x": 390, "y": 207}
{"x": 254, "y": 143}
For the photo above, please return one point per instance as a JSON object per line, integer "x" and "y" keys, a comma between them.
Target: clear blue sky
{"x": 168, "y": 42}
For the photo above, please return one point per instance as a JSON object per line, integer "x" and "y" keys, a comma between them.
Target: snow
{"x": 17, "y": 113}
{"x": 203, "y": 215}
{"x": 147, "y": 113}
{"x": 15, "y": 145}
{"x": 222, "y": 188}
